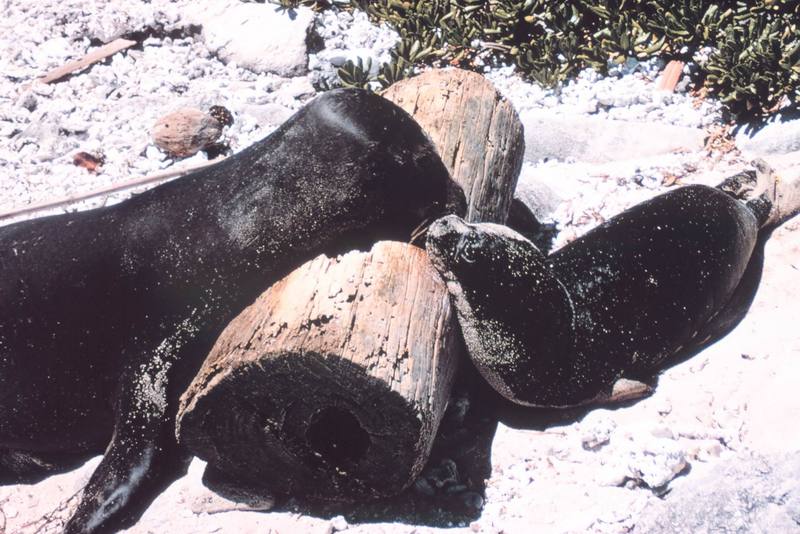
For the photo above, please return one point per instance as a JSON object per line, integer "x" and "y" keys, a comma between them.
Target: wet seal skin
{"x": 587, "y": 322}
{"x": 106, "y": 315}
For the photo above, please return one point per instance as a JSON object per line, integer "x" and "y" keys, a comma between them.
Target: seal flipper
{"x": 623, "y": 390}
{"x": 141, "y": 460}
{"x": 771, "y": 198}
{"x": 134, "y": 470}
{"x": 755, "y": 187}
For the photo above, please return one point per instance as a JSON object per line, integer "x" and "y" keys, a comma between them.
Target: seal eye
{"x": 468, "y": 250}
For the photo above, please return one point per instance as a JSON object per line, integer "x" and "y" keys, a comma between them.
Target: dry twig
{"x": 157, "y": 177}
{"x": 94, "y": 56}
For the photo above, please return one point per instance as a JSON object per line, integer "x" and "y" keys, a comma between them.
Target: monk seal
{"x": 606, "y": 310}
{"x": 106, "y": 315}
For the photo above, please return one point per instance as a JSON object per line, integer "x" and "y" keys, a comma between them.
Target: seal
{"x": 603, "y": 312}
{"x": 106, "y": 315}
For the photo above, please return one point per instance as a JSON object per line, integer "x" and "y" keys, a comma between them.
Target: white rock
{"x": 596, "y": 429}
{"x": 659, "y": 463}
{"x": 339, "y": 523}
{"x": 537, "y": 195}
{"x": 775, "y": 138}
{"x": 299, "y": 88}
{"x": 258, "y": 37}
{"x": 550, "y": 135}
{"x": 110, "y": 23}
{"x": 618, "y": 99}
{"x": 54, "y": 52}
{"x": 28, "y": 101}
{"x": 119, "y": 18}
{"x": 704, "y": 450}
{"x": 6, "y": 129}
{"x": 588, "y": 106}
{"x": 154, "y": 154}
{"x": 267, "y": 114}
{"x": 662, "y": 431}
{"x": 43, "y": 89}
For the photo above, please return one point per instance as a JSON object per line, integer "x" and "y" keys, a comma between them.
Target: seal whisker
{"x": 421, "y": 230}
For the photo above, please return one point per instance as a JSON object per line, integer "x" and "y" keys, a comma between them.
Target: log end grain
{"x": 333, "y": 383}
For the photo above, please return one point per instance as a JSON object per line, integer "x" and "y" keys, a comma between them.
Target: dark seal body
{"x": 105, "y": 315}
{"x": 561, "y": 330}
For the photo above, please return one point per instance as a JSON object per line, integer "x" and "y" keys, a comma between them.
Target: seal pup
{"x": 588, "y": 322}
{"x": 106, "y": 315}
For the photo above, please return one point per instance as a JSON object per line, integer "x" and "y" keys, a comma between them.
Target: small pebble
{"x": 28, "y": 101}
{"x": 154, "y": 154}
{"x": 662, "y": 432}
{"x": 339, "y": 523}
{"x": 472, "y": 500}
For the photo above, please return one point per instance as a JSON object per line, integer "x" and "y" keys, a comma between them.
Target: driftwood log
{"x": 333, "y": 383}
{"x": 299, "y": 392}
{"x": 476, "y": 131}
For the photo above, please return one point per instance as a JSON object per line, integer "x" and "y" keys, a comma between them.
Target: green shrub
{"x": 755, "y": 62}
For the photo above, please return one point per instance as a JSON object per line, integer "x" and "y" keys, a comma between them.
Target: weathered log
{"x": 476, "y": 131}
{"x": 332, "y": 384}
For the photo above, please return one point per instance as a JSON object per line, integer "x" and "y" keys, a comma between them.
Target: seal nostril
{"x": 338, "y": 437}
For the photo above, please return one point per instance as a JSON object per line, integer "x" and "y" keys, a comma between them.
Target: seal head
{"x": 516, "y": 317}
